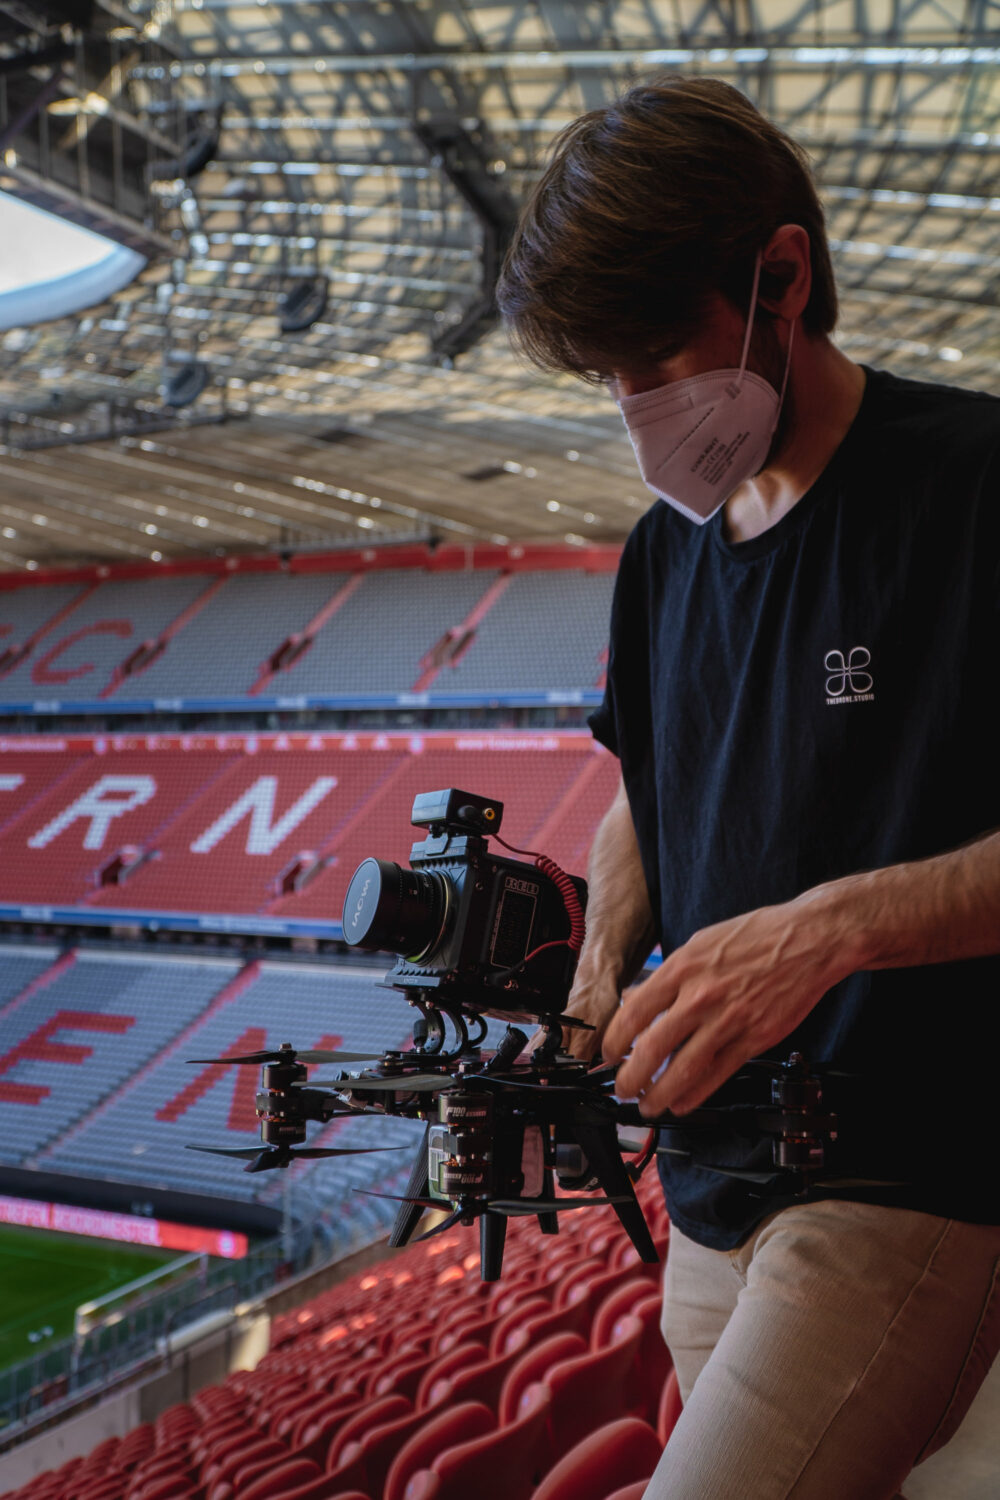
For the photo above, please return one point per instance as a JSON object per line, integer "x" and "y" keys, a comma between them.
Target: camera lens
{"x": 395, "y": 910}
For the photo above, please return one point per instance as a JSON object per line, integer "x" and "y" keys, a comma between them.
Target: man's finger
{"x": 665, "y": 1035}
{"x": 639, "y": 1008}
{"x": 704, "y": 1071}
{"x": 650, "y": 1053}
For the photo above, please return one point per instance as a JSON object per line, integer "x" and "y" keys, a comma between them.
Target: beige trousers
{"x": 828, "y": 1354}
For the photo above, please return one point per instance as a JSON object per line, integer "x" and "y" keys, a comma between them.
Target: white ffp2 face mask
{"x": 697, "y": 440}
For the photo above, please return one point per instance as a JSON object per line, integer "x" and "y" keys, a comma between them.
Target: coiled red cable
{"x": 567, "y": 890}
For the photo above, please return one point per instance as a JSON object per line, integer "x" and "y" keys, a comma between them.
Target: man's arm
{"x": 739, "y": 987}
{"x": 620, "y": 930}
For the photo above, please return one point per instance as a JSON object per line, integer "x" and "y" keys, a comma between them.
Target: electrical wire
{"x": 571, "y": 901}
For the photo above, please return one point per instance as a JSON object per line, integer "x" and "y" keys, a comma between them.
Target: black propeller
{"x": 402, "y": 1198}
{"x": 549, "y": 1205}
{"x": 409, "y": 1083}
{"x": 317, "y": 1151}
{"x": 514, "y": 1208}
{"x": 442, "y": 1228}
{"x": 290, "y": 1055}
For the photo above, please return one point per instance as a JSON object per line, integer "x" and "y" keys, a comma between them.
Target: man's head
{"x": 651, "y": 210}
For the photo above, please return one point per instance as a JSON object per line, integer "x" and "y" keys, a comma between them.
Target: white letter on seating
{"x": 132, "y": 792}
{"x": 258, "y": 801}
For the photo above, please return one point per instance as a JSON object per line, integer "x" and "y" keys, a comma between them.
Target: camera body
{"x": 463, "y": 920}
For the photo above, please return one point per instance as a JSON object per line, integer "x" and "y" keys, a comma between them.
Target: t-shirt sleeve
{"x": 604, "y": 721}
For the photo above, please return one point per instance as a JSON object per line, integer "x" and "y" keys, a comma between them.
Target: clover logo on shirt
{"x": 848, "y": 673}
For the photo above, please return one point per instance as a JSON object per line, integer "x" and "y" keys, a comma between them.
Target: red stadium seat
{"x": 591, "y": 1389}
{"x": 315, "y": 1429}
{"x": 215, "y": 1438}
{"x": 587, "y": 1292}
{"x": 399, "y": 1373}
{"x": 654, "y": 1363}
{"x": 149, "y": 1475}
{"x": 671, "y": 1407}
{"x": 369, "y": 1415}
{"x": 479, "y": 1382}
{"x": 505, "y": 1464}
{"x": 168, "y": 1489}
{"x": 279, "y": 1480}
{"x": 626, "y": 1450}
{"x": 323, "y": 1409}
{"x": 571, "y": 1319}
{"x": 579, "y": 1271}
{"x": 371, "y": 1456}
{"x": 457, "y": 1425}
{"x": 246, "y": 1475}
{"x": 445, "y": 1365}
{"x": 507, "y": 1330}
{"x": 533, "y": 1366}
{"x": 616, "y": 1303}
{"x": 224, "y": 1466}
{"x": 100, "y": 1489}
{"x": 625, "y": 1257}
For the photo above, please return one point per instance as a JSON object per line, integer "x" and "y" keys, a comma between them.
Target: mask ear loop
{"x": 746, "y": 341}
{"x": 788, "y": 368}
{"x": 750, "y": 317}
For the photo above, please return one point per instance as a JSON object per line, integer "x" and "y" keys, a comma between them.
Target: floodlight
{"x": 186, "y": 384}
{"x": 303, "y": 304}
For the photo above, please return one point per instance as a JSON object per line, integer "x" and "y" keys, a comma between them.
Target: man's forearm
{"x": 620, "y": 928}
{"x": 739, "y": 987}
{"x": 924, "y": 912}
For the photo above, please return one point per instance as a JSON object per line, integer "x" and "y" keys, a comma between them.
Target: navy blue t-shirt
{"x": 820, "y": 700}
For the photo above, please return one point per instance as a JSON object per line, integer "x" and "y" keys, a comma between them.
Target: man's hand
{"x": 594, "y": 998}
{"x": 729, "y": 993}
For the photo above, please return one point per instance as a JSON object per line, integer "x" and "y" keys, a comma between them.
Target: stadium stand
{"x": 235, "y": 824}
{"x": 377, "y": 641}
{"x": 28, "y": 612}
{"x": 347, "y": 1403}
{"x": 267, "y": 813}
{"x": 67, "y": 1043}
{"x": 21, "y": 967}
{"x": 77, "y": 659}
{"x": 341, "y": 630}
{"x": 259, "y": 831}
{"x": 58, "y": 837}
{"x": 531, "y": 783}
{"x": 142, "y": 1130}
{"x": 547, "y": 630}
{"x": 226, "y": 648}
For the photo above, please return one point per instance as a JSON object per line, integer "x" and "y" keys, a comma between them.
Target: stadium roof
{"x": 246, "y": 147}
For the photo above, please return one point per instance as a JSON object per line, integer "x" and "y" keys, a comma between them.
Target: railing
{"x": 91, "y": 1315}
{"x": 139, "y": 1330}
{"x": 138, "y": 1336}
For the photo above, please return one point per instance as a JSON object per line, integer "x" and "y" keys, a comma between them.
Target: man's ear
{"x": 786, "y": 272}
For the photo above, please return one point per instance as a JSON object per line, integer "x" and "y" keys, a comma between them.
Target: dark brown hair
{"x": 648, "y": 207}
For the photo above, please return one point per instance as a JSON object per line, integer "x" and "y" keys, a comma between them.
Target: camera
{"x": 470, "y": 928}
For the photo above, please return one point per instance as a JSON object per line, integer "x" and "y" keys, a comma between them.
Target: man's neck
{"x": 824, "y": 393}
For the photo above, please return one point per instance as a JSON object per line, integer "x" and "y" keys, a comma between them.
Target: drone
{"x": 520, "y": 1129}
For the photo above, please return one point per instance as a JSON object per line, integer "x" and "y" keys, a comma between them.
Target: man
{"x": 801, "y": 692}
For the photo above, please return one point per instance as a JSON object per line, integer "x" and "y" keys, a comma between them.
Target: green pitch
{"x": 45, "y": 1277}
